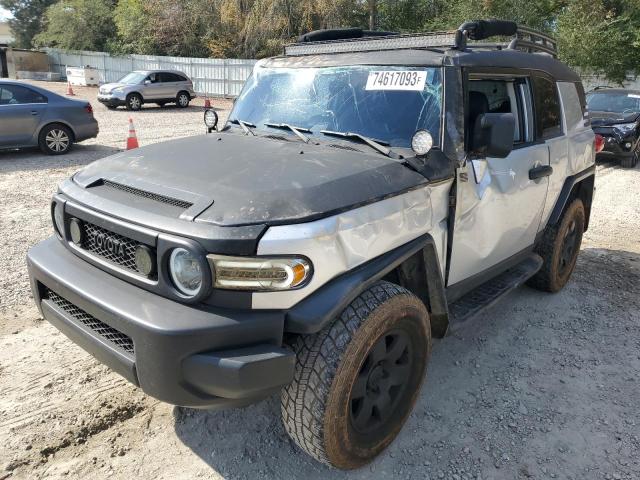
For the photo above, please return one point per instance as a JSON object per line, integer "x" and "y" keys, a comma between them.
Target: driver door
{"x": 499, "y": 207}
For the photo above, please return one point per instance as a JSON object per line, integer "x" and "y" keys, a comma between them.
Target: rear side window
{"x": 573, "y": 110}
{"x": 171, "y": 77}
{"x": 547, "y": 104}
{"x": 18, "y": 95}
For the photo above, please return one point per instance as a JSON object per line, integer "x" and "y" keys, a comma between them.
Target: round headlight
{"x": 210, "y": 118}
{"x": 186, "y": 272}
{"x": 421, "y": 142}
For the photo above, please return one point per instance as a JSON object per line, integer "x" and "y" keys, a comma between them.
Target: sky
{"x": 3, "y": 13}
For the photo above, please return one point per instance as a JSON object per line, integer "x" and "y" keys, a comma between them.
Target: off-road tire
{"x": 317, "y": 406}
{"x": 555, "y": 271}
{"x": 630, "y": 161}
{"x": 183, "y": 99}
{"x": 134, "y": 102}
{"x": 55, "y": 139}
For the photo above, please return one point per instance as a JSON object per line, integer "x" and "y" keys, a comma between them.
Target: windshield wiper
{"x": 297, "y": 130}
{"x": 377, "y": 145}
{"x": 245, "y": 125}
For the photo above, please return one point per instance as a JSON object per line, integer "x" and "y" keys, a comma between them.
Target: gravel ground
{"x": 539, "y": 386}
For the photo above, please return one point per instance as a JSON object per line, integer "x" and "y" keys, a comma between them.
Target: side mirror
{"x": 493, "y": 134}
{"x": 147, "y": 82}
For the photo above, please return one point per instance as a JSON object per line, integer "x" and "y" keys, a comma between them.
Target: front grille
{"x": 94, "y": 240}
{"x": 110, "y": 334}
{"x": 153, "y": 196}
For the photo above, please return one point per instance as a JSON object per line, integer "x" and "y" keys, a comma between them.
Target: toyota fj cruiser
{"x": 367, "y": 192}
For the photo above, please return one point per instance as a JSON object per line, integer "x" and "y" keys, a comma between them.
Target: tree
{"x": 27, "y": 19}
{"x": 78, "y": 25}
{"x": 601, "y": 37}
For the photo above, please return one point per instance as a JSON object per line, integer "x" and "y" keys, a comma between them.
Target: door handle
{"x": 34, "y": 112}
{"x": 539, "y": 172}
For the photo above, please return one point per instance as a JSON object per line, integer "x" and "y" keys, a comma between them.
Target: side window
{"x": 17, "y": 94}
{"x": 169, "y": 77}
{"x": 154, "y": 77}
{"x": 500, "y": 96}
{"x": 572, "y": 106}
{"x": 180, "y": 78}
{"x": 548, "y": 116}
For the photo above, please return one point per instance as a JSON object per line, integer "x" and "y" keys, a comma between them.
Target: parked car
{"x": 366, "y": 194}
{"x": 32, "y": 116}
{"x": 148, "y": 86}
{"x": 615, "y": 114}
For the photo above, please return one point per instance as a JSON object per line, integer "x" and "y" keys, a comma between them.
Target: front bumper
{"x": 192, "y": 356}
{"x": 111, "y": 100}
{"x": 614, "y": 144}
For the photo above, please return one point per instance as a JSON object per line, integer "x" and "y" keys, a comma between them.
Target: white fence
{"x": 213, "y": 76}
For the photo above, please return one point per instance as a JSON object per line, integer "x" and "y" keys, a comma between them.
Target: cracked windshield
{"x": 381, "y": 102}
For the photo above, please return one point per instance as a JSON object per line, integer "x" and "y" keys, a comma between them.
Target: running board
{"x": 470, "y": 305}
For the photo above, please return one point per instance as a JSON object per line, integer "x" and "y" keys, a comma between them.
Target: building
{"x": 6, "y": 37}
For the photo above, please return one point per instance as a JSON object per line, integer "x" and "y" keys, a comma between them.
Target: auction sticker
{"x": 396, "y": 80}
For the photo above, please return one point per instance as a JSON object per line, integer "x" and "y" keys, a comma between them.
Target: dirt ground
{"x": 539, "y": 386}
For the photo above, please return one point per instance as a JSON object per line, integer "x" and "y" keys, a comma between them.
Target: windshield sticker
{"x": 412, "y": 80}
{"x": 633, "y": 95}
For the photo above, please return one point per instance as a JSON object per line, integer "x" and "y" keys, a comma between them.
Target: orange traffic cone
{"x": 70, "y": 90}
{"x": 207, "y": 102}
{"x": 132, "y": 139}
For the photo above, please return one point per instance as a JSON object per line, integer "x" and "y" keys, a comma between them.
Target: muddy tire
{"x": 356, "y": 381}
{"x": 559, "y": 249}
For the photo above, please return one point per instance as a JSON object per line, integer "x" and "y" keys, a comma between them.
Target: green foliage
{"x": 27, "y": 19}
{"x": 598, "y": 36}
{"x": 78, "y": 25}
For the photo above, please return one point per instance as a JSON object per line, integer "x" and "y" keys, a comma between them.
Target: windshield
{"x": 132, "y": 78}
{"x": 385, "y": 103}
{"x": 624, "y": 103}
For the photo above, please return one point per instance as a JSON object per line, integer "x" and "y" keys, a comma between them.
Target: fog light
{"x": 210, "y": 119}
{"x": 144, "y": 260}
{"x": 421, "y": 142}
{"x": 75, "y": 230}
{"x": 186, "y": 272}
{"x": 627, "y": 145}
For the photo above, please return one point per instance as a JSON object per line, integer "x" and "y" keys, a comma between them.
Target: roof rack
{"x": 357, "y": 40}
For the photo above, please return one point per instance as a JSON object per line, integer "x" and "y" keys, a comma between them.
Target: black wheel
{"x": 55, "y": 139}
{"x": 629, "y": 162}
{"x": 183, "y": 99}
{"x": 559, "y": 249}
{"x": 356, "y": 381}
{"x": 134, "y": 101}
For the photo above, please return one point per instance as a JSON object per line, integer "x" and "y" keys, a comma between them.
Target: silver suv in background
{"x": 148, "y": 86}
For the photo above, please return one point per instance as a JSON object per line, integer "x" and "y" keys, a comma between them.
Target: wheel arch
{"x": 59, "y": 122}
{"x": 580, "y": 185}
{"x": 414, "y": 266}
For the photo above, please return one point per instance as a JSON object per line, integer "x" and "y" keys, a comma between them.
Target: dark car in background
{"x": 615, "y": 114}
{"x": 31, "y": 116}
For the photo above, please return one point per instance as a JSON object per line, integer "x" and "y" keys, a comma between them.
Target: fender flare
{"x": 565, "y": 195}
{"x": 316, "y": 311}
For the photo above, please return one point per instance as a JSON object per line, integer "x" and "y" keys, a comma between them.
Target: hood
{"x": 107, "y": 87}
{"x": 611, "y": 118}
{"x": 230, "y": 179}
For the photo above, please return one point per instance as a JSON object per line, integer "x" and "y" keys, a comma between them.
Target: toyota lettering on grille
{"x": 112, "y": 245}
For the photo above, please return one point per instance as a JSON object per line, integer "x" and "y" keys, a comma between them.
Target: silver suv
{"x": 148, "y": 86}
